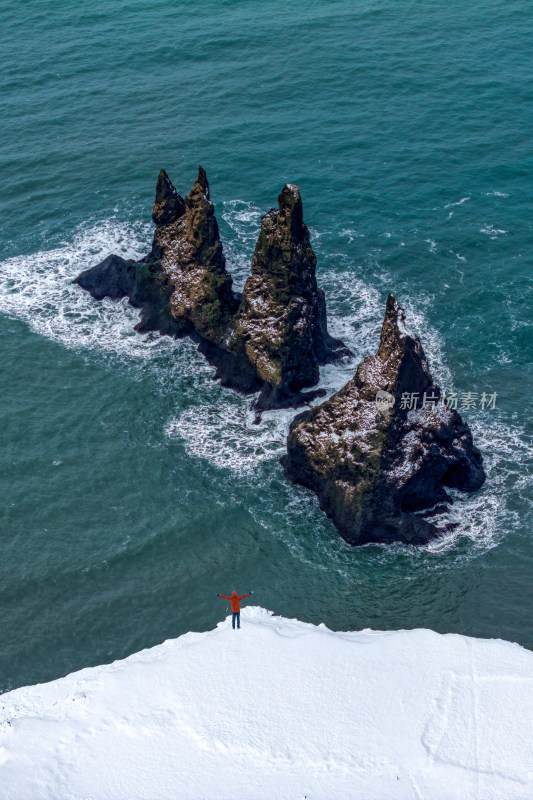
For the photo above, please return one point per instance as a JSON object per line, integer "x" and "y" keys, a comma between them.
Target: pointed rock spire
{"x": 201, "y": 182}
{"x": 400, "y": 365}
{"x": 192, "y": 256}
{"x": 169, "y": 205}
{"x": 273, "y": 338}
{"x": 282, "y": 319}
{"x": 372, "y": 464}
{"x": 201, "y": 227}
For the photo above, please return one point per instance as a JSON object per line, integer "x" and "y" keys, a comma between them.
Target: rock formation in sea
{"x": 375, "y": 463}
{"x": 282, "y": 318}
{"x": 168, "y": 205}
{"x": 272, "y": 338}
{"x": 191, "y": 255}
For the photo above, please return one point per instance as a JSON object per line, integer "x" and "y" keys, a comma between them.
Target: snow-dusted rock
{"x": 273, "y": 338}
{"x": 182, "y": 286}
{"x": 374, "y": 465}
{"x": 169, "y": 205}
{"x": 282, "y": 318}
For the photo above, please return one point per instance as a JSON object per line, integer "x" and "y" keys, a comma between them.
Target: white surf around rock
{"x": 217, "y": 424}
{"x": 280, "y": 708}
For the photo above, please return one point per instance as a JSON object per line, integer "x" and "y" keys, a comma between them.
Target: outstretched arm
{"x": 244, "y": 595}
{"x": 224, "y": 596}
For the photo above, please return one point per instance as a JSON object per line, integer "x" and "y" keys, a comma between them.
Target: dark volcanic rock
{"x": 145, "y": 284}
{"x": 202, "y": 300}
{"x": 282, "y": 319}
{"x": 169, "y": 205}
{"x": 191, "y": 254}
{"x": 113, "y": 277}
{"x": 373, "y": 466}
{"x": 272, "y": 338}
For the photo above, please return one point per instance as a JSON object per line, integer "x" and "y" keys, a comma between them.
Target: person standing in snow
{"x": 235, "y": 606}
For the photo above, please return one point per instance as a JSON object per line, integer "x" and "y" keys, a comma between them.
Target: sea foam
{"x": 217, "y": 424}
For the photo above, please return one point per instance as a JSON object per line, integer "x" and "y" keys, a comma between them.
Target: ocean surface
{"x": 133, "y": 487}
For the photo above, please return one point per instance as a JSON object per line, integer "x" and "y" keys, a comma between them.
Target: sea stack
{"x": 376, "y": 461}
{"x": 272, "y": 338}
{"x": 191, "y": 254}
{"x": 282, "y": 318}
{"x": 169, "y": 205}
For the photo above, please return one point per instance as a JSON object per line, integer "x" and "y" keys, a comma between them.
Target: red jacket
{"x": 235, "y": 607}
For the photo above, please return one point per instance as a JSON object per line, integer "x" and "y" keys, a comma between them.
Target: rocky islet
{"x": 379, "y": 470}
{"x": 270, "y": 339}
{"x": 376, "y": 467}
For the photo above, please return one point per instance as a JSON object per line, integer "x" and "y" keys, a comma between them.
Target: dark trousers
{"x": 236, "y": 615}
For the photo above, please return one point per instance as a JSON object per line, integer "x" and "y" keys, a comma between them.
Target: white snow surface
{"x": 280, "y": 709}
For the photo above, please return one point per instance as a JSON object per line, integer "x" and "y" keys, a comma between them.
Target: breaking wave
{"x": 38, "y": 289}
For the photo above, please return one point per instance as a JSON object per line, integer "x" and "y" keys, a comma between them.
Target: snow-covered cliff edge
{"x": 279, "y": 709}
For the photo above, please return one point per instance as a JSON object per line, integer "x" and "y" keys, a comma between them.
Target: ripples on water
{"x": 216, "y": 424}
{"x": 133, "y": 482}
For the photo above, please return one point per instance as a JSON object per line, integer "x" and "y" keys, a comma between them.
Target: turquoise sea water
{"x": 134, "y": 488}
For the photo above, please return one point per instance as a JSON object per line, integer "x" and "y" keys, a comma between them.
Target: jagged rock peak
{"x": 274, "y": 336}
{"x": 200, "y": 189}
{"x": 191, "y": 254}
{"x": 200, "y": 234}
{"x": 291, "y": 209}
{"x": 374, "y": 467}
{"x": 284, "y": 229}
{"x": 283, "y": 248}
{"x": 169, "y": 205}
{"x": 282, "y": 319}
{"x": 400, "y": 364}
